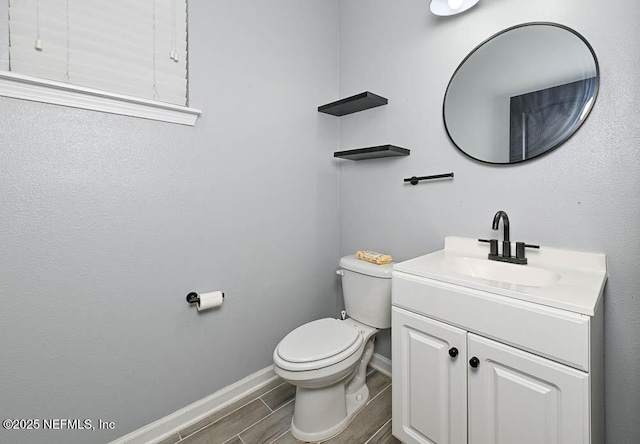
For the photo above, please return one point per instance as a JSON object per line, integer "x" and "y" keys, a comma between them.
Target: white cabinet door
{"x": 429, "y": 385}
{"x": 518, "y": 397}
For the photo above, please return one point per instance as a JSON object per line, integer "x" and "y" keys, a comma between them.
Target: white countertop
{"x": 579, "y": 289}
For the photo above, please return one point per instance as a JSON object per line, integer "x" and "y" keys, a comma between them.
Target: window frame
{"x": 23, "y": 87}
{"x": 19, "y": 86}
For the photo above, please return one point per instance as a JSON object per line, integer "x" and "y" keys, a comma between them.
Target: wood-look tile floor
{"x": 264, "y": 417}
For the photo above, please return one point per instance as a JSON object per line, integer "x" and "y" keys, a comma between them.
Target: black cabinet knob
{"x": 474, "y": 362}
{"x": 453, "y": 352}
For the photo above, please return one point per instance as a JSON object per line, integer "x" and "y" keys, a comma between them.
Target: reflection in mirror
{"x": 521, "y": 93}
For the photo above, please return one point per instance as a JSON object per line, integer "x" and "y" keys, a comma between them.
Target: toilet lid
{"x": 318, "y": 340}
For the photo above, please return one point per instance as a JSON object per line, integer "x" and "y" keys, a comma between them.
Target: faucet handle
{"x": 493, "y": 246}
{"x": 520, "y": 246}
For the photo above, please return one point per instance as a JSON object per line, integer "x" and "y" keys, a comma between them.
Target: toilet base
{"x": 352, "y": 405}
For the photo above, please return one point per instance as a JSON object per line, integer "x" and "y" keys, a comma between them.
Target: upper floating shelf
{"x": 372, "y": 152}
{"x": 353, "y": 104}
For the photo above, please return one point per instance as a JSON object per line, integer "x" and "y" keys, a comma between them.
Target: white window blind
{"x": 137, "y": 48}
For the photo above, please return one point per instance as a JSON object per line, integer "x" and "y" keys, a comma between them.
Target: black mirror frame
{"x": 570, "y": 134}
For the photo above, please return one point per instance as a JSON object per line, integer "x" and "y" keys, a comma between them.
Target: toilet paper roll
{"x": 210, "y": 300}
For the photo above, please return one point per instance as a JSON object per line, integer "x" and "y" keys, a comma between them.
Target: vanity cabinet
{"x": 474, "y": 367}
{"x": 518, "y": 397}
{"x": 429, "y": 384}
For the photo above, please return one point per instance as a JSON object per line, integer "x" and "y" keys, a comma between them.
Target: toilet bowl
{"x": 327, "y": 359}
{"x": 319, "y": 358}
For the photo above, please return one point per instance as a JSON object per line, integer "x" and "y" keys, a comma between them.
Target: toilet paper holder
{"x": 194, "y": 297}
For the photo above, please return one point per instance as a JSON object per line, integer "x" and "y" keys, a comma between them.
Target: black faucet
{"x": 519, "y": 258}
{"x": 506, "y": 241}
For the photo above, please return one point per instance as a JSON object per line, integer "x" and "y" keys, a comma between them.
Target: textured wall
{"x": 109, "y": 221}
{"x": 582, "y": 196}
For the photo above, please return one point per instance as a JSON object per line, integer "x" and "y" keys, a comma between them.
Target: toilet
{"x": 327, "y": 359}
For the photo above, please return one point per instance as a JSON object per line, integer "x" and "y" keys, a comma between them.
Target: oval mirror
{"x": 521, "y": 93}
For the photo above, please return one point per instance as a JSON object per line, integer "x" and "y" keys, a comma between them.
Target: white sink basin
{"x": 500, "y": 271}
{"x": 563, "y": 279}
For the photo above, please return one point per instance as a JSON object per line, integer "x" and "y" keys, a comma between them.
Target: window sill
{"x": 48, "y": 91}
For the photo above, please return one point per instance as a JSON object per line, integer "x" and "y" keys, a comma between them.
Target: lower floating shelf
{"x": 373, "y": 152}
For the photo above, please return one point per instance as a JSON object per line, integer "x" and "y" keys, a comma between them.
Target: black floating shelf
{"x": 353, "y": 104}
{"x": 373, "y": 152}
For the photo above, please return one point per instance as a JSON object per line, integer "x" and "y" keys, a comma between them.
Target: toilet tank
{"x": 366, "y": 288}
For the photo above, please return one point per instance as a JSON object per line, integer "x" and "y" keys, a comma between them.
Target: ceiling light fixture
{"x": 451, "y": 7}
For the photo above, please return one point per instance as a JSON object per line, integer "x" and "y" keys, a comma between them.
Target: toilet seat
{"x": 317, "y": 344}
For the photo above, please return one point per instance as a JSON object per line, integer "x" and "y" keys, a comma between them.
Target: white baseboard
{"x": 186, "y": 416}
{"x": 382, "y": 364}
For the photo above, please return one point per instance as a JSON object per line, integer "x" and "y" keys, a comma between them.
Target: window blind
{"x": 137, "y": 48}
{"x": 4, "y": 36}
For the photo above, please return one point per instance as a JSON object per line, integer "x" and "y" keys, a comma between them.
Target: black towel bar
{"x": 414, "y": 180}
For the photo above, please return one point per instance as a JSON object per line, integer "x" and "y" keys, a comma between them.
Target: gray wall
{"x": 582, "y": 196}
{"x": 109, "y": 221}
